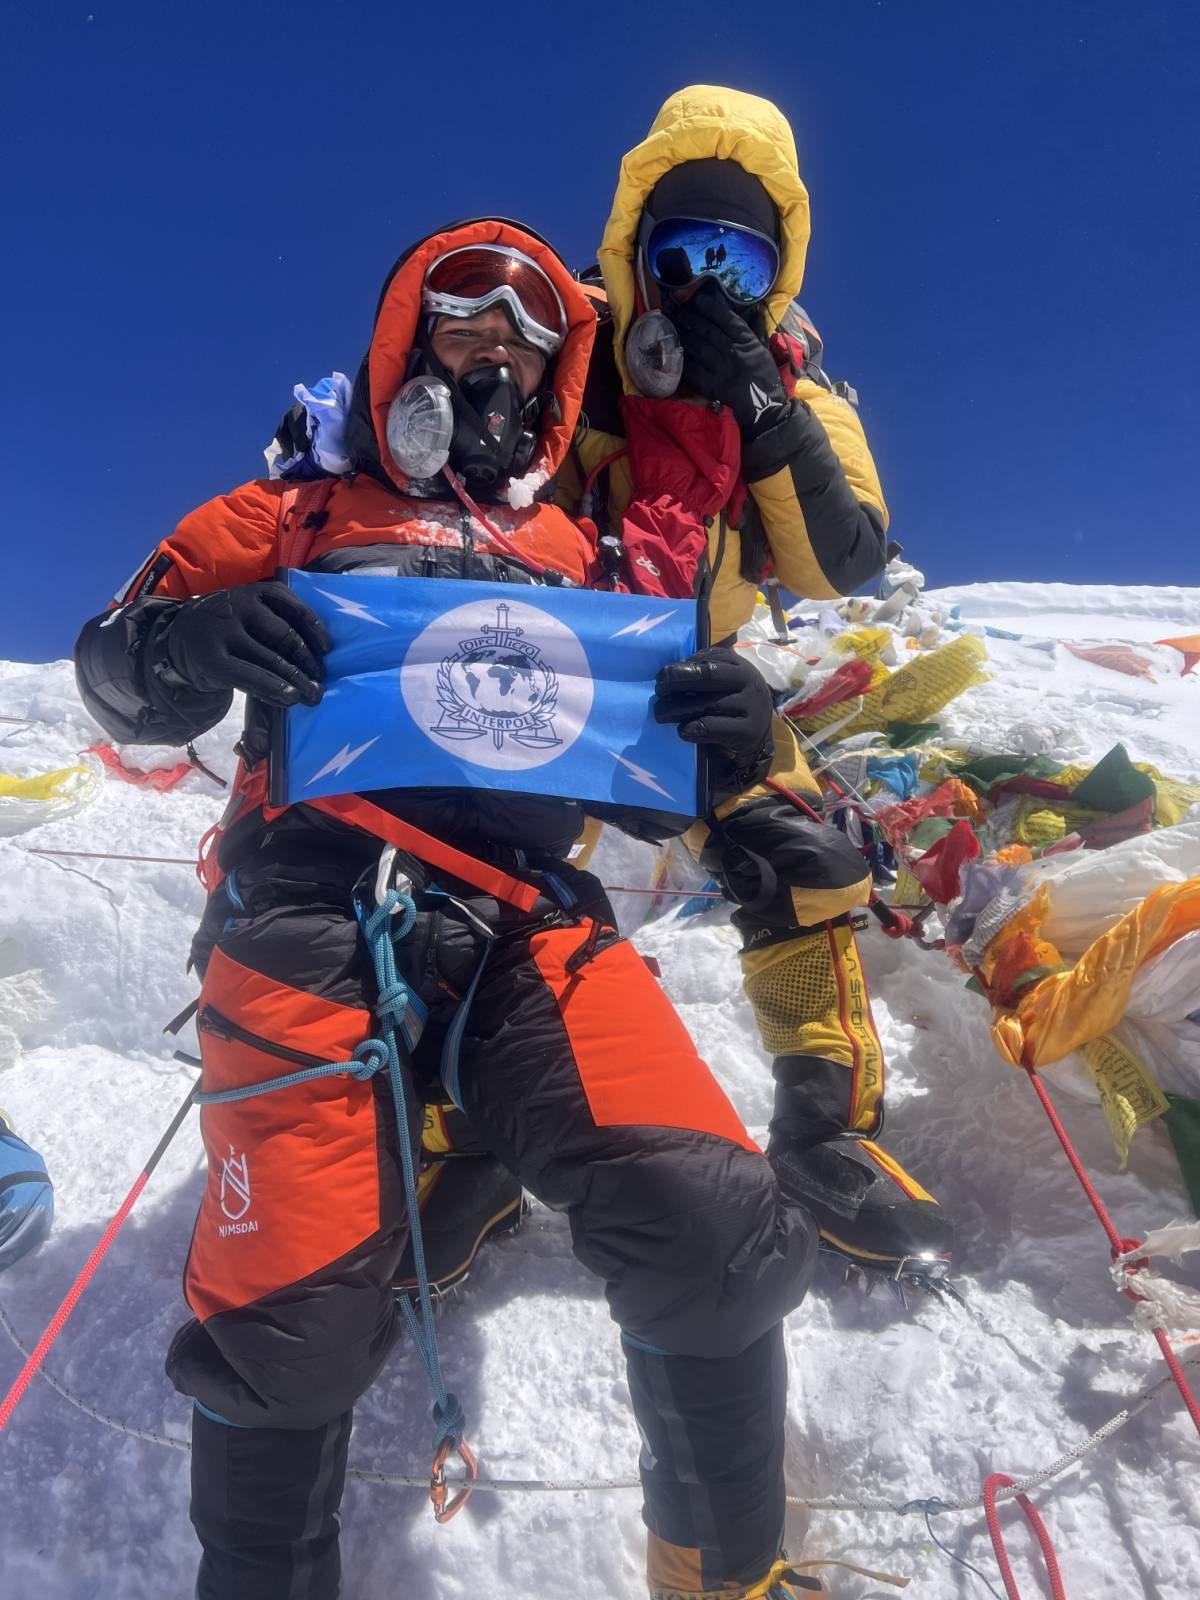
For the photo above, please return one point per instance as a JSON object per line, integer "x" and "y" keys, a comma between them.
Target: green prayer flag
{"x": 1183, "y": 1124}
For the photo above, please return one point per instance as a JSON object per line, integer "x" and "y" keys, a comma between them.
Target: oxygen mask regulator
{"x": 480, "y": 425}
{"x": 654, "y": 355}
{"x": 420, "y": 426}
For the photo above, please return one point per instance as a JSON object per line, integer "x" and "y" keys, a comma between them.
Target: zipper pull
{"x": 209, "y": 1021}
{"x": 585, "y": 952}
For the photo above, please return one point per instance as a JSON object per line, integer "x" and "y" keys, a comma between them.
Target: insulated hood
{"x": 696, "y": 124}
{"x": 397, "y": 323}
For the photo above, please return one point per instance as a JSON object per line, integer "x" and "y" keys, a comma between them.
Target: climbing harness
{"x": 400, "y": 1010}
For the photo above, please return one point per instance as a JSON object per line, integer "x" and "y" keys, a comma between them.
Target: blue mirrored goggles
{"x": 678, "y": 250}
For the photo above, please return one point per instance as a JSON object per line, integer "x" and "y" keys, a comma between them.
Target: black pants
{"x": 585, "y": 1083}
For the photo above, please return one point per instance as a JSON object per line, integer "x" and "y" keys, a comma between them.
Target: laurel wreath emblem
{"x": 538, "y": 716}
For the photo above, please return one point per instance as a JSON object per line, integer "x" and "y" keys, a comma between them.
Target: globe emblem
{"x": 500, "y": 682}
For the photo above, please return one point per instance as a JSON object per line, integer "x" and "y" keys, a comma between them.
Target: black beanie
{"x": 721, "y": 191}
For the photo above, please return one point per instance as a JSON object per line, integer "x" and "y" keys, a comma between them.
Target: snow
{"x": 883, "y": 1401}
{"x": 1077, "y": 611}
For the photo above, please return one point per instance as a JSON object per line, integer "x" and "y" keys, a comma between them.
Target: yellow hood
{"x": 695, "y": 124}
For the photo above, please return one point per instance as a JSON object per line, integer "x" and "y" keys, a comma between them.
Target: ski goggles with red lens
{"x": 678, "y": 250}
{"x": 466, "y": 281}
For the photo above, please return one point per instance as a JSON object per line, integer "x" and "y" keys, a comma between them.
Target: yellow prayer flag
{"x": 1129, "y": 1095}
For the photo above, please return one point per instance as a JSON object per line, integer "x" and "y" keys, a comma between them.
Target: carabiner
{"x": 384, "y": 880}
{"x": 445, "y": 1506}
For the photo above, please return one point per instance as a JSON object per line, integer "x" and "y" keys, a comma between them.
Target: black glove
{"x": 258, "y": 637}
{"x": 725, "y": 360}
{"x": 718, "y": 699}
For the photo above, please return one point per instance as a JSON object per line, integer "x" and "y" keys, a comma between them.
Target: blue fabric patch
{"x": 898, "y": 773}
{"x": 26, "y": 1199}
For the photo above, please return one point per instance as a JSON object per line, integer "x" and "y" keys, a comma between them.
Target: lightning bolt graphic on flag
{"x": 640, "y": 775}
{"x": 344, "y": 757}
{"x": 642, "y": 625}
{"x": 352, "y": 608}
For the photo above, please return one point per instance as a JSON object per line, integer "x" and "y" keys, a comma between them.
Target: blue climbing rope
{"x": 399, "y": 1011}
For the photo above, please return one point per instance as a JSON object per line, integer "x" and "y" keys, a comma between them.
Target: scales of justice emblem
{"x": 497, "y": 683}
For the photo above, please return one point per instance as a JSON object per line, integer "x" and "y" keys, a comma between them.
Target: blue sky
{"x": 199, "y": 201}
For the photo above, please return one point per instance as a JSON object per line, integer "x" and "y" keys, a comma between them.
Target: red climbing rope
{"x": 58, "y": 1321}
{"x": 994, "y": 1483}
{"x": 1119, "y": 1246}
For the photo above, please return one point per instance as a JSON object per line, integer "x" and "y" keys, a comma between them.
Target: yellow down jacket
{"x": 815, "y": 560}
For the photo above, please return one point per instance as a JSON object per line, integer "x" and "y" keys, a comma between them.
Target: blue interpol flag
{"x": 442, "y": 683}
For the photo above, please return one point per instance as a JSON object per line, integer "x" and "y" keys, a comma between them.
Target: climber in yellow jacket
{"x": 716, "y": 446}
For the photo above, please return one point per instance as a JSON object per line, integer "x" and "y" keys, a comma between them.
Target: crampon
{"x": 872, "y": 1214}
{"x": 908, "y": 1277}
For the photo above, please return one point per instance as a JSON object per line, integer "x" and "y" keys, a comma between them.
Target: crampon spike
{"x": 940, "y": 1289}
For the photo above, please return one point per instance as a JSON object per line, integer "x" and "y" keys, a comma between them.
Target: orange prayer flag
{"x": 1189, "y": 647}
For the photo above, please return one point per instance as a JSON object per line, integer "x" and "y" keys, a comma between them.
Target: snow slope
{"x": 883, "y": 1402}
{"x": 1077, "y": 611}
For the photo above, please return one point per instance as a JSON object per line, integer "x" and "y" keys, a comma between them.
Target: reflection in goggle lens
{"x": 744, "y": 263}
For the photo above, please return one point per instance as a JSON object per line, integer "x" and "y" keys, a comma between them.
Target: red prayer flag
{"x": 939, "y": 869}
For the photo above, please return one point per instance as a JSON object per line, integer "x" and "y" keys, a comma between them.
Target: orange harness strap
{"x": 360, "y": 813}
{"x": 250, "y": 794}
{"x": 247, "y": 792}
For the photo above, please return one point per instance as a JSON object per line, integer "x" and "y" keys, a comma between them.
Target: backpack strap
{"x": 302, "y": 514}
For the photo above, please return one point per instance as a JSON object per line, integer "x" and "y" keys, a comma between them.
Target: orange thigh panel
{"x": 636, "y": 1060}
{"x": 293, "y": 1177}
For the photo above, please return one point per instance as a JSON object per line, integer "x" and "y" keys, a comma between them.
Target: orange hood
{"x": 398, "y": 320}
